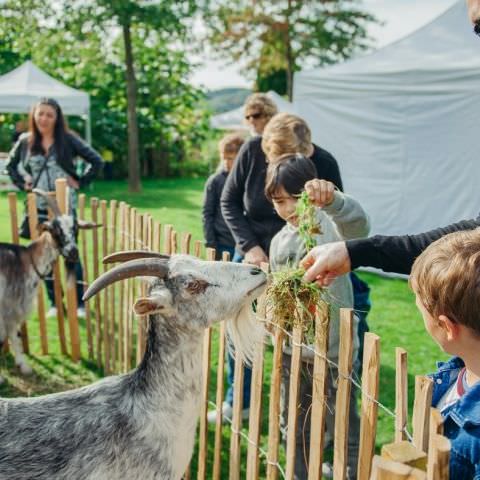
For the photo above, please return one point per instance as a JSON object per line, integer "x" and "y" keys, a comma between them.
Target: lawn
{"x": 178, "y": 201}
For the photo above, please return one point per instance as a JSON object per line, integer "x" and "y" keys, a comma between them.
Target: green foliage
{"x": 308, "y": 225}
{"x": 80, "y": 44}
{"x": 271, "y": 36}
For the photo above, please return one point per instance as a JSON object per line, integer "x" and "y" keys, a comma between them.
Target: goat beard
{"x": 244, "y": 333}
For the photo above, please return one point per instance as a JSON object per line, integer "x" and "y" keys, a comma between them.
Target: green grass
{"x": 394, "y": 316}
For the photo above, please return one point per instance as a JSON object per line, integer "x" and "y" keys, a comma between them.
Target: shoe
{"x": 52, "y": 312}
{"x": 81, "y": 313}
{"x": 227, "y": 414}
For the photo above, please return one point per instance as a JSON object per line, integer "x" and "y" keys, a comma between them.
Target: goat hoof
{"x": 25, "y": 369}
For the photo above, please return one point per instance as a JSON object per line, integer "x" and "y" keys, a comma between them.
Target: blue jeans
{"x": 247, "y": 376}
{"x": 224, "y": 248}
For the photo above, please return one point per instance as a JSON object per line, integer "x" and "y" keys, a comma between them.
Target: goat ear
{"x": 160, "y": 303}
{"x": 83, "y": 224}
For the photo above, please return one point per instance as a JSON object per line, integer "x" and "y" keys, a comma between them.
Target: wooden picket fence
{"x": 114, "y": 338}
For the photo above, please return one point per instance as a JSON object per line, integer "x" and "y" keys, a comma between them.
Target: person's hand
{"x": 473, "y": 10}
{"x": 72, "y": 182}
{"x": 255, "y": 256}
{"x": 320, "y": 192}
{"x": 28, "y": 185}
{"x": 326, "y": 262}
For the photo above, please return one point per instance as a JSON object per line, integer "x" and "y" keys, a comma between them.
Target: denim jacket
{"x": 461, "y": 421}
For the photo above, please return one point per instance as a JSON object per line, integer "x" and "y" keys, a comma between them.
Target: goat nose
{"x": 255, "y": 271}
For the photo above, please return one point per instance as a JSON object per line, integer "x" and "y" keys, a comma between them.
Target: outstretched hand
{"x": 320, "y": 192}
{"x": 326, "y": 262}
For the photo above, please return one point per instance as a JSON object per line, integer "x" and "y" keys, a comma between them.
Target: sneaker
{"x": 227, "y": 414}
{"x": 52, "y": 312}
{"x": 81, "y": 313}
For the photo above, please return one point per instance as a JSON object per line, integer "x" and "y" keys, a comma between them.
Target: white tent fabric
{"x": 233, "y": 119}
{"x": 21, "y": 87}
{"x": 403, "y": 123}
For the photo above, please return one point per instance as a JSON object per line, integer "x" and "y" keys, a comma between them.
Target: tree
{"x": 271, "y": 36}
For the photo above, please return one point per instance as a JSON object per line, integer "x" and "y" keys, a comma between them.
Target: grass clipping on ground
{"x": 289, "y": 300}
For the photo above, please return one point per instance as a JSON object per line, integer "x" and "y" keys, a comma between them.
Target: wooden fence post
{"x": 342, "y": 405}
{"x": 12, "y": 203}
{"x": 111, "y": 320}
{"x": 86, "y": 269}
{"x": 33, "y": 222}
{"x": 96, "y": 272}
{"x": 319, "y": 398}
{"x": 106, "y": 291}
{"x": 167, "y": 248}
{"x": 383, "y": 469}
{"x": 369, "y": 409}
{"x": 186, "y": 239}
{"x": 197, "y": 248}
{"x": 421, "y": 411}
{"x": 203, "y": 435}
{"x": 401, "y": 394}
{"x": 438, "y": 449}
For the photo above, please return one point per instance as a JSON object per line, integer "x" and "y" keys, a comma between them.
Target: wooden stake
{"x": 96, "y": 273}
{"x": 401, "y": 394}
{"x": 438, "y": 448}
{"x": 369, "y": 409}
{"x": 174, "y": 241}
{"x": 383, "y": 469}
{"x": 197, "y": 248}
{"x": 106, "y": 291}
{"x": 186, "y": 239}
{"x": 33, "y": 222}
{"x": 342, "y": 405}
{"x": 157, "y": 229}
{"x": 86, "y": 276}
{"x": 111, "y": 319}
{"x": 294, "y": 389}
{"x": 167, "y": 248}
{"x": 121, "y": 295}
{"x": 12, "y": 203}
{"x": 319, "y": 397}
{"x": 421, "y": 411}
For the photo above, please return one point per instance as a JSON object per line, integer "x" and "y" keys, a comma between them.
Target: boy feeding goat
{"x": 140, "y": 425}
{"x": 338, "y": 216}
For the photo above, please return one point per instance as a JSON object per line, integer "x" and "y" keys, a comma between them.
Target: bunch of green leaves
{"x": 308, "y": 225}
{"x": 291, "y": 301}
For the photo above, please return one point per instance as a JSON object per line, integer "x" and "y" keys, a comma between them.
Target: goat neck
{"x": 43, "y": 252}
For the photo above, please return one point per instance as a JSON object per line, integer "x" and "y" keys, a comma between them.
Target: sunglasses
{"x": 476, "y": 27}
{"x": 255, "y": 116}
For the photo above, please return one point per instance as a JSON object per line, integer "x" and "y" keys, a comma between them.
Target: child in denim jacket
{"x": 446, "y": 282}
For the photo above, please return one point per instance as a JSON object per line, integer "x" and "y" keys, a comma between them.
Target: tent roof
{"x": 445, "y": 48}
{"x": 21, "y": 87}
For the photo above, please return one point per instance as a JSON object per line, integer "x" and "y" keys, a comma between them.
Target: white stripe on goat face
{"x": 212, "y": 291}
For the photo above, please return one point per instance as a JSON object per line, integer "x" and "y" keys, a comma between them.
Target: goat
{"x": 140, "y": 425}
{"x": 22, "y": 268}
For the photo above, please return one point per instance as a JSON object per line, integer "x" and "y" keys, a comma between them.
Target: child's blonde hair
{"x": 446, "y": 278}
{"x": 231, "y": 143}
{"x": 260, "y": 103}
{"x": 286, "y": 133}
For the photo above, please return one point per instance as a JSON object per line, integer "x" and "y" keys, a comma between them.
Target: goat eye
{"x": 196, "y": 286}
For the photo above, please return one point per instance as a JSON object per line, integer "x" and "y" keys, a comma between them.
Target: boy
{"x": 216, "y": 232}
{"x": 339, "y": 217}
{"x": 446, "y": 282}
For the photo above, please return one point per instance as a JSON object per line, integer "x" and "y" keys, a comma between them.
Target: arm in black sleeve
{"x": 334, "y": 174}
{"x": 397, "y": 253}
{"x": 232, "y": 201}
{"x": 210, "y": 203}
{"x": 91, "y": 156}
{"x": 327, "y": 167}
{"x": 14, "y": 158}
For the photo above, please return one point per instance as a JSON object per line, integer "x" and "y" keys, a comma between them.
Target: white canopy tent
{"x": 403, "y": 123}
{"x": 233, "y": 119}
{"x": 22, "y": 87}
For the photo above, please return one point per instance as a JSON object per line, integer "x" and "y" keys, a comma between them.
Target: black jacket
{"x": 250, "y": 216}
{"x": 398, "y": 253}
{"x": 215, "y": 230}
{"x": 74, "y": 147}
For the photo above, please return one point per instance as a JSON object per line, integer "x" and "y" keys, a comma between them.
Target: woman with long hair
{"x": 48, "y": 152}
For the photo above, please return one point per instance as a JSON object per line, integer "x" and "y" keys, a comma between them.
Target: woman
{"x": 43, "y": 154}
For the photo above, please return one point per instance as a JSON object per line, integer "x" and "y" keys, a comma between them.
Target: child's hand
{"x": 255, "y": 256}
{"x": 320, "y": 192}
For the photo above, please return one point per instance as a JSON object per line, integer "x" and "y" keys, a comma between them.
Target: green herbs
{"x": 308, "y": 225}
{"x": 291, "y": 301}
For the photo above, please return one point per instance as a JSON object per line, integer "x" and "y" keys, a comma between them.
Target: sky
{"x": 398, "y": 17}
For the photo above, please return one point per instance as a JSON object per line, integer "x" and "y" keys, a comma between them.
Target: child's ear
{"x": 451, "y": 328}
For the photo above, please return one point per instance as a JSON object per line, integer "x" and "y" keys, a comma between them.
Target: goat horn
{"x": 152, "y": 267}
{"x": 127, "y": 255}
{"x": 51, "y": 202}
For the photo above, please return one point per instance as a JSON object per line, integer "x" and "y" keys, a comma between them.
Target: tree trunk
{"x": 134, "y": 184}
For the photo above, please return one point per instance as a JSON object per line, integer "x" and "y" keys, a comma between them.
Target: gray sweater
{"x": 343, "y": 219}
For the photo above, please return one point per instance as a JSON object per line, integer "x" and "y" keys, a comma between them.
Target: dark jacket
{"x": 398, "y": 253}
{"x": 461, "y": 421}
{"x": 74, "y": 147}
{"x": 215, "y": 230}
{"x": 250, "y": 216}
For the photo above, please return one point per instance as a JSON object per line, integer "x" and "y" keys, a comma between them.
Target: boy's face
{"x": 285, "y": 206}
{"x": 228, "y": 159}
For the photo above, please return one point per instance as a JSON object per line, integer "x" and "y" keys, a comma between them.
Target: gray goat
{"x": 140, "y": 425}
{"x": 22, "y": 268}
